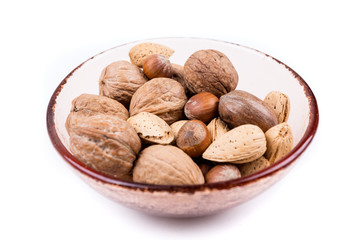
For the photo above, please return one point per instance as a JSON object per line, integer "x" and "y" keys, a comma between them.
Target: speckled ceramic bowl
{"x": 259, "y": 74}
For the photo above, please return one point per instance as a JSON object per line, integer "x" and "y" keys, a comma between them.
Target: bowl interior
{"x": 258, "y": 74}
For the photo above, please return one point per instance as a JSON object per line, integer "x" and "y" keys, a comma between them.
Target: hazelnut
{"x": 157, "y": 66}
{"x": 222, "y": 172}
{"x": 193, "y": 138}
{"x": 202, "y": 106}
{"x": 175, "y": 127}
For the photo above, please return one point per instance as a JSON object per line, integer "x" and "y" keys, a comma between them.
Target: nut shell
{"x": 202, "y": 106}
{"x": 239, "y": 107}
{"x": 280, "y": 103}
{"x": 217, "y": 128}
{"x": 179, "y": 76}
{"x": 241, "y": 144}
{"x": 222, "y": 172}
{"x": 119, "y": 81}
{"x": 280, "y": 141}
{"x": 141, "y": 51}
{"x": 163, "y": 97}
{"x": 193, "y": 138}
{"x": 156, "y": 66}
{"x": 105, "y": 143}
{"x": 254, "y": 166}
{"x": 175, "y": 127}
{"x": 210, "y": 71}
{"x": 166, "y": 165}
{"x": 151, "y": 128}
{"x": 87, "y": 105}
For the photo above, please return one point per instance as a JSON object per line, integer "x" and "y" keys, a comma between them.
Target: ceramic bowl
{"x": 259, "y": 74}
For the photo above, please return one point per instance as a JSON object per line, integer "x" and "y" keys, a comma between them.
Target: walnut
{"x": 105, "y": 143}
{"x": 91, "y": 104}
{"x": 163, "y": 97}
{"x": 210, "y": 71}
{"x": 167, "y": 165}
{"x": 120, "y": 80}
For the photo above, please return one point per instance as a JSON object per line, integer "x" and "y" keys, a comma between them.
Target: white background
{"x": 42, "y": 41}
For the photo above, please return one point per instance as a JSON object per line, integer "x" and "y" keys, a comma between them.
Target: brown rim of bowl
{"x": 285, "y": 161}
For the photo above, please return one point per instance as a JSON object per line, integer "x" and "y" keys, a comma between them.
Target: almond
{"x": 241, "y": 144}
{"x": 280, "y": 141}
{"x": 217, "y": 127}
{"x": 141, "y": 51}
{"x": 280, "y": 103}
{"x": 151, "y": 128}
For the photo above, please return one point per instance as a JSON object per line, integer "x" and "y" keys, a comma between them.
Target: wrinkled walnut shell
{"x": 163, "y": 97}
{"x": 210, "y": 71}
{"x": 106, "y": 143}
{"x": 166, "y": 165}
{"x": 87, "y": 105}
{"x": 120, "y": 80}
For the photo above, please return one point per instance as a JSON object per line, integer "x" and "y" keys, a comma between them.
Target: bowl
{"x": 259, "y": 74}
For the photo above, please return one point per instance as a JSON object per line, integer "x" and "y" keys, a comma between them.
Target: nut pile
{"x": 162, "y": 123}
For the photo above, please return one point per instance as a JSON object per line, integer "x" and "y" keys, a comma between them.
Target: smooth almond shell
{"x": 241, "y": 144}
{"x": 166, "y": 165}
{"x": 151, "y": 128}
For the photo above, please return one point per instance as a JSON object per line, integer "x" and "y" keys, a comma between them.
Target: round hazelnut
{"x": 157, "y": 66}
{"x": 222, "y": 172}
{"x": 202, "y": 106}
{"x": 193, "y": 138}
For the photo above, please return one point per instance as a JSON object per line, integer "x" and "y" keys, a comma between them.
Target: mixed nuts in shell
{"x": 159, "y": 122}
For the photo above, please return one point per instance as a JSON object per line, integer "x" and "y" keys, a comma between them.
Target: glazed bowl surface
{"x": 258, "y": 73}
